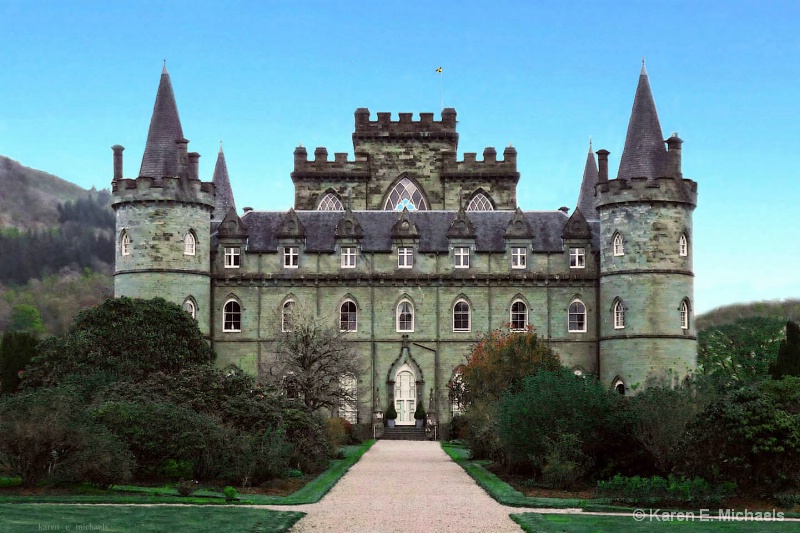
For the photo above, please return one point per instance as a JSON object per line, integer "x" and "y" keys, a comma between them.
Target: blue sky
{"x": 80, "y": 76}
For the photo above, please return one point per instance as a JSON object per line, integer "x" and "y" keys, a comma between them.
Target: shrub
{"x": 482, "y": 432}
{"x": 391, "y": 413}
{"x": 458, "y": 427}
{"x": 186, "y": 487}
{"x": 338, "y": 431}
{"x": 787, "y": 500}
{"x": 564, "y": 463}
{"x": 671, "y": 491}
{"x": 103, "y": 461}
{"x": 173, "y": 469}
{"x": 230, "y": 493}
{"x": 305, "y": 431}
{"x": 254, "y": 458}
{"x": 419, "y": 413}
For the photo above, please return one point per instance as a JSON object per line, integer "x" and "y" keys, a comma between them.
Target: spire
{"x": 586, "y": 200}
{"x": 161, "y": 151}
{"x": 222, "y": 185}
{"x": 644, "y": 154}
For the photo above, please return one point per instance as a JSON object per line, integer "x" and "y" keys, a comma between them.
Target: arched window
{"x": 405, "y": 316}
{"x": 619, "y": 245}
{"x": 124, "y": 243}
{"x": 457, "y": 392}
{"x": 461, "y": 316}
{"x": 480, "y": 202}
{"x": 684, "y": 314}
{"x": 577, "y": 317}
{"x": 232, "y": 316}
{"x": 519, "y": 315}
{"x": 618, "y": 386}
{"x": 348, "y": 316}
{"x": 683, "y": 246}
{"x": 287, "y": 320}
{"x": 330, "y": 202}
{"x": 405, "y": 195}
{"x": 619, "y": 315}
{"x": 189, "y": 243}
{"x": 190, "y": 307}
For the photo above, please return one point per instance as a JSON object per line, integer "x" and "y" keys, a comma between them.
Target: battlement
{"x": 490, "y": 166}
{"x": 426, "y": 128}
{"x": 322, "y": 166}
{"x": 666, "y": 189}
{"x": 168, "y": 189}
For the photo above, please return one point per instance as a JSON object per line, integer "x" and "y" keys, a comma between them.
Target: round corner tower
{"x": 646, "y": 274}
{"x": 163, "y": 218}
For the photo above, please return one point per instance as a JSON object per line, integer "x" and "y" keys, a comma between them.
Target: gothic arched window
{"x": 190, "y": 307}
{"x": 619, "y": 315}
{"x": 480, "y": 202}
{"x": 405, "y": 195}
{"x": 461, "y": 316}
{"x": 577, "y": 317}
{"x": 405, "y": 316}
{"x": 683, "y": 246}
{"x": 330, "y": 202}
{"x": 618, "y": 244}
{"x": 232, "y": 316}
{"x": 189, "y": 243}
{"x": 684, "y": 314}
{"x": 286, "y": 316}
{"x": 125, "y": 243}
{"x": 519, "y": 315}
{"x": 348, "y": 316}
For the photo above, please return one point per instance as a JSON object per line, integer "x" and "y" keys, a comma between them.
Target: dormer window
{"x": 291, "y": 257}
{"x": 405, "y": 257}
{"x": 618, "y": 245}
{"x": 519, "y": 257}
{"x": 349, "y": 256}
{"x": 577, "y": 257}
{"x": 461, "y": 257}
{"x": 683, "y": 246}
{"x": 232, "y": 257}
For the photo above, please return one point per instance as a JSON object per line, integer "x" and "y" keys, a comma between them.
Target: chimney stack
{"x": 117, "y": 161}
{"x": 194, "y": 165}
{"x": 674, "y": 156}
{"x": 602, "y": 165}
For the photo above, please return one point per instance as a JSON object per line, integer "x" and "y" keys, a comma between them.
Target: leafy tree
{"x": 313, "y": 360}
{"x": 739, "y": 352}
{"x": 26, "y": 318}
{"x": 788, "y": 361}
{"x": 17, "y": 349}
{"x": 123, "y": 337}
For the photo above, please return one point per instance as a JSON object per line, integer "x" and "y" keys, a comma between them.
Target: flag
{"x": 439, "y": 70}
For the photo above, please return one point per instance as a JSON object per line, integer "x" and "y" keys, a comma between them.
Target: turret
{"x": 646, "y": 278}
{"x": 163, "y": 218}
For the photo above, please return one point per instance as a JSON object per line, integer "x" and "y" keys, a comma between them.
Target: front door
{"x": 405, "y": 397}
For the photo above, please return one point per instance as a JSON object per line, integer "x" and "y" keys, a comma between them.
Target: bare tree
{"x": 314, "y": 362}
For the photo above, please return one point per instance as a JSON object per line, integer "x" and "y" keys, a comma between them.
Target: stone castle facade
{"x": 415, "y": 254}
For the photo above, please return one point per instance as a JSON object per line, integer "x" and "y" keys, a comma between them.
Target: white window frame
{"x": 125, "y": 243}
{"x": 399, "y": 313}
{"x": 228, "y": 321}
{"x": 405, "y": 257}
{"x": 618, "y": 245}
{"x": 461, "y": 257}
{"x": 349, "y": 257}
{"x": 189, "y": 243}
{"x": 684, "y": 314}
{"x": 619, "y": 315}
{"x": 468, "y": 314}
{"x": 345, "y": 321}
{"x": 518, "y": 313}
{"x": 287, "y": 320}
{"x": 577, "y": 257}
{"x": 574, "y": 310}
{"x": 519, "y": 257}
{"x": 291, "y": 257}
{"x": 190, "y": 307}
{"x": 683, "y": 246}
{"x": 233, "y": 257}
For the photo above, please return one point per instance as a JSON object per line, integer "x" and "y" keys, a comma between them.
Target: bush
{"x": 305, "y": 431}
{"x": 482, "y": 432}
{"x": 186, "y": 487}
{"x": 103, "y": 461}
{"x": 173, "y": 469}
{"x": 339, "y": 431}
{"x": 564, "y": 463}
{"x": 787, "y": 500}
{"x": 678, "y": 491}
{"x": 230, "y": 493}
{"x": 254, "y": 458}
{"x": 458, "y": 427}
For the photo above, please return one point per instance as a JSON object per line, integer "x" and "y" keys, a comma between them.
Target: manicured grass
{"x": 39, "y": 517}
{"x": 552, "y": 523}
{"x": 312, "y": 492}
{"x": 502, "y": 491}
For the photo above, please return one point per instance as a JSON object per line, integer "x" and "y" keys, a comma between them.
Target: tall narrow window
{"x": 405, "y": 316}
{"x": 577, "y": 257}
{"x": 577, "y": 317}
{"x": 405, "y": 195}
{"x": 461, "y": 316}
{"x": 619, "y": 245}
{"x": 190, "y": 307}
{"x": 461, "y": 257}
{"x": 189, "y": 244}
{"x": 619, "y": 315}
{"x": 125, "y": 243}
{"x": 232, "y": 257}
{"x": 291, "y": 257}
{"x": 287, "y": 320}
{"x": 232, "y": 316}
{"x": 348, "y": 317}
{"x": 405, "y": 257}
{"x": 683, "y": 246}
{"x": 480, "y": 202}
{"x": 684, "y": 314}
{"x": 330, "y": 202}
{"x": 519, "y": 257}
{"x": 519, "y": 315}
{"x": 349, "y": 256}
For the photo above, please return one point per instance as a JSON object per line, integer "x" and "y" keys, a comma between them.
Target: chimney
{"x": 674, "y": 156}
{"x": 117, "y": 161}
{"x": 602, "y": 165}
{"x": 194, "y": 165}
{"x": 180, "y": 164}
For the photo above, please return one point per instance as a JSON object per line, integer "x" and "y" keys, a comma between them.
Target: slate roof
{"x": 161, "y": 152}
{"x": 490, "y": 228}
{"x": 223, "y": 201}
{"x": 644, "y": 154}
{"x": 586, "y": 199}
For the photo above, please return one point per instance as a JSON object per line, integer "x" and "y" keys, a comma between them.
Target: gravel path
{"x": 405, "y": 486}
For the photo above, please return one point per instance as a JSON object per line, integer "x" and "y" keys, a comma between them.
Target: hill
{"x": 783, "y": 309}
{"x": 29, "y": 198}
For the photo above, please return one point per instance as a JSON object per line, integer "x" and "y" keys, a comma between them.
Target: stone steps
{"x": 404, "y": 433}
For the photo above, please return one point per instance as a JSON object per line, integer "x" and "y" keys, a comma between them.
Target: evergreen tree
{"x": 788, "y": 361}
{"x": 17, "y": 348}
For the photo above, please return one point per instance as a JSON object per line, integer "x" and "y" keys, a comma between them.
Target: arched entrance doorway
{"x": 405, "y": 395}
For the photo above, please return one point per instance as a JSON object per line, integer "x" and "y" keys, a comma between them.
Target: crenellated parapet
{"x": 666, "y": 189}
{"x": 167, "y": 189}
{"x": 405, "y": 128}
{"x": 488, "y": 168}
{"x": 321, "y": 167}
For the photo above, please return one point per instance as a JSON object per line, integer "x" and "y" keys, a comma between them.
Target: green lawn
{"x": 26, "y": 517}
{"x": 551, "y": 523}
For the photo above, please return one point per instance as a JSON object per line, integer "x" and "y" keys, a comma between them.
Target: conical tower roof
{"x": 222, "y": 185}
{"x": 586, "y": 199}
{"x": 161, "y": 151}
{"x": 644, "y": 154}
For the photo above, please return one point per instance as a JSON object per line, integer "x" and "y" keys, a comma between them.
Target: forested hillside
{"x": 784, "y": 309}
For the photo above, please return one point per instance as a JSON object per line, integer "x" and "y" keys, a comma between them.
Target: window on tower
{"x": 683, "y": 246}
{"x": 618, "y": 245}
{"x": 480, "y": 202}
{"x": 619, "y": 315}
{"x": 189, "y": 243}
{"x": 330, "y": 202}
{"x": 684, "y": 314}
{"x": 125, "y": 243}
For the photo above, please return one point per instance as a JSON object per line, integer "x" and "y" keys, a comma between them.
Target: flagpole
{"x": 441, "y": 86}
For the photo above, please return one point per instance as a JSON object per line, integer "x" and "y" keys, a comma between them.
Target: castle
{"x": 415, "y": 254}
